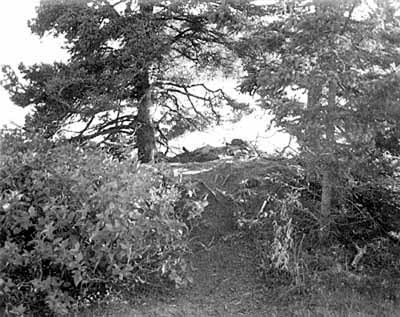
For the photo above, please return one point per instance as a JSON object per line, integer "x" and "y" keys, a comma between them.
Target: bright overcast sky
{"x": 19, "y": 45}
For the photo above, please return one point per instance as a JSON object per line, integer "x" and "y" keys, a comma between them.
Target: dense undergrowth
{"x": 359, "y": 249}
{"x": 77, "y": 225}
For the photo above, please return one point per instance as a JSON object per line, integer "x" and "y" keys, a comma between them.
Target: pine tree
{"x": 128, "y": 57}
{"x": 344, "y": 61}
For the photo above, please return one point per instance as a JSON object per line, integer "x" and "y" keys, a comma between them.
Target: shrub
{"x": 75, "y": 223}
{"x": 286, "y": 229}
{"x": 371, "y": 211}
{"x": 274, "y": 224}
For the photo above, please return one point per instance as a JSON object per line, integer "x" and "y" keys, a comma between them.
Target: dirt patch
{"x": 223, "y": 259}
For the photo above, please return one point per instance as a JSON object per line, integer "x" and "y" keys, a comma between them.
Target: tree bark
{"x": 327, "y": 177}
{"x": 323, "y": 149}
{"x": 326, "y": 195}
{"x": 313, "y": 102}
{"x": 145, "y": 134}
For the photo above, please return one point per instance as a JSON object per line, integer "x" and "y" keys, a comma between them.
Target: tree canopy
{"x": 126, "y": 57}
{"x": 344, "y": 60}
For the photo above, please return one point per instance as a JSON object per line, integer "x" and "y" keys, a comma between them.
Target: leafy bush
{"x": 75, "y": 223}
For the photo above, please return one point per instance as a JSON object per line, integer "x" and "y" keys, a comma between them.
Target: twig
{"x": 207, "y": 247}
{"x": 209, "y": 189}
{"x": 226, "y": 179}
{"x": 359, "y": 255}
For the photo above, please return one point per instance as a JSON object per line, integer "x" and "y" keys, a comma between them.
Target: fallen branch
{"x": 359, "y": 255}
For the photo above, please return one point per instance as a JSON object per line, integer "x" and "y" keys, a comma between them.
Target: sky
{"x": 19, "y": 45}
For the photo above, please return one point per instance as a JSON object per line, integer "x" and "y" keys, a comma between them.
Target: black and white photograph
{"x": 179, "y": 158}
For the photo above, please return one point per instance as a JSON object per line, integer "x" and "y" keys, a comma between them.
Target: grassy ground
{"x": 225, "y": 272}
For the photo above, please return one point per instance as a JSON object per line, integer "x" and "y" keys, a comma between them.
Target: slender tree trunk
{"x": 326, "y": 196}
{"x": 327, "y": 177}
{"x": 145, "y": 134}
{"x": 313, "y": 102}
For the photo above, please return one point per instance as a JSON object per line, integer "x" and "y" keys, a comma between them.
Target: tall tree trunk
{"x": 327, "y": 177}
{"x": 313, "y": 102}
{"x": 145, "y": 134}
{"x": 326, "y": 195}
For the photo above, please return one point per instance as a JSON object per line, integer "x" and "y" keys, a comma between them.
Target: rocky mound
{"x": 236, "y": 148}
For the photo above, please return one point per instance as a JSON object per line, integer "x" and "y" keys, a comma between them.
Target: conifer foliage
{"x": 126, "y": 59}
{"x": 342, "y": 57}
